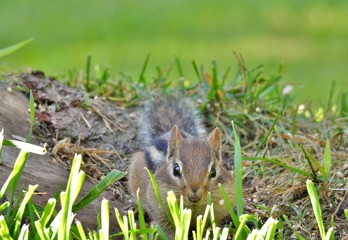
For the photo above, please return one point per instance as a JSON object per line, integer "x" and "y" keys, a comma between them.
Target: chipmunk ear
{"x": 174, "y": 140}
{"x": 214, "y": 141}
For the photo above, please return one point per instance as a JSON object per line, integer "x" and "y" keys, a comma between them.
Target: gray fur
{"x": 161, "y": 113}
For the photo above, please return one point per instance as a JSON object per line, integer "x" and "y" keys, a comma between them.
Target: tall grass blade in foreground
{"x": 317, "y": 211}
{"x": 123, "y": 224}
{"x": 181, "y": 216}
{"x": 4, "y": 231}
{"x": 159, "y": 198}
{"x": 201, "y": 223}
{"x": 20, "y": 212}
{"x": 104, "y": 231}
{"x": 68, "y": 197}
{"x": 229, "y": 207}
{"x": 15, "y": 174}
{"x": 238, "y": 172}
{"x": 267, "y": 232}
{"x": 141, "y": 217}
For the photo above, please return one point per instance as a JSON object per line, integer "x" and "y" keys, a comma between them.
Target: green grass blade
{"x": 201, "y": 223}
{"x": 234, "y": 217}
{"x": 346, "y": 214}
{"x": 179, "y": 67}
{"x": 4, "y": 206}
{"x": 15, "y": 174}
{"x": 198, "y": 233}
{"x": 224, "y": 234}
{"x": 316, "y": 206}
{"x": 344, "y": 105}
{"x": 13, "y": 48}
{"x": 48, "y": 211}
{"x": 19, "y": 215}
{"x": 239, "y": 233}
{"x": 331, "y": 96}
{"x": 212, "y": 217}
{"x": 266, "y": 137}
{"x": 159, "y": 198}
{"x": 181, "y": 216}
{"x": 105, "y": 221}
{"x": 173, "y": 208}
{"x": 327, "y": 160}
{"x": 271, "y": 228}
{"x": 24, "y": 234}
{"x": 185, "y": 221}
{"x": 142, "y": 73}
{"x": 32, "y": 116}
{"x": 238, "y": 173}
{"x": 141, "y": 217}
{"x": 4, "y": 231}
{"x": 80, "y": 230}
{"x": 276, "y": 161}
{"x": 213, "y": 91}
{"x": 88, "y": 72}
{"x": 209, "y": 198}
{"x": 123, "y": 223}
{"x": 161, "y": 233}
{"x": 216, "y": 233}
{"x": 32, "y": 214}
{"x": 330, "y": 234}
{"x": 225, "y": 76}
{"x": 207, "y": 234}
{"x": 280, "y": 232}
{"x": 132, "y": 224}
{"x": 215, "y": 80}
{"x": 67, "y": 198}
{"x": 195, "y": 68}
{"x": 309, "y": 160}
{"x": 95, "y": 192}
{"x": 41, "y": 231}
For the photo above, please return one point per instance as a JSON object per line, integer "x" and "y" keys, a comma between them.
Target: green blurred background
{"x": 309, "y": 37}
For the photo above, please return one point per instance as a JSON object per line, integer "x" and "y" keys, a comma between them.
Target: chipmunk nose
{"x": 195, "y": 196}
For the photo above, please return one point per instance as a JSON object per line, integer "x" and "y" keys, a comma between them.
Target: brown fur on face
{"x": 195, "y": 158}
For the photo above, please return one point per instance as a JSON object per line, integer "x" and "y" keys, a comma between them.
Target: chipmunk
{"x": 181, "y": 158}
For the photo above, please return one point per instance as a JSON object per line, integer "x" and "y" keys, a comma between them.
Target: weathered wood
{"x": 41, "y": 170}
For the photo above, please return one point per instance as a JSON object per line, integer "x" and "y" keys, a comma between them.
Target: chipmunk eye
{"x": 212, "y": 172}
{"x": 176, "y": 170}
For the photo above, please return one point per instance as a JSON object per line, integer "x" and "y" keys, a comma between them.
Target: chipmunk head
{"x": 194, "y": 166}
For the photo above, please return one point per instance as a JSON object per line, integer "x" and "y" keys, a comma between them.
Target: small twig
{"x": 107, "y": 121}
{"x": 85, "y": 120}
